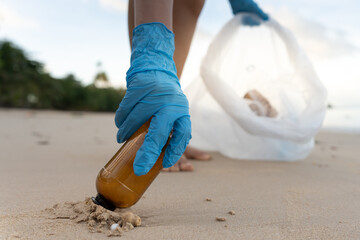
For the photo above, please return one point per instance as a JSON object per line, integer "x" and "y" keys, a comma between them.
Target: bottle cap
{"x": 100, "y": 200}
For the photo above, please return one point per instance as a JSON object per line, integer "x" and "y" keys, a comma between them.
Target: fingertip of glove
{"x": 170, "y": 161}
{"x": 144, "y": 161}
{"x": 119, "y": 137}
{"x": 118, "y": 119}
{"x": 139, "y": 171}
{"x": 265, "y": 17}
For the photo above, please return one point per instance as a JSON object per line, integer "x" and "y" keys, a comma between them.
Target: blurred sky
{"x": 71, "y": 36}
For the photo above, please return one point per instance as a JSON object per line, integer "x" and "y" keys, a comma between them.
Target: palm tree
{"x": 101, "y": 80}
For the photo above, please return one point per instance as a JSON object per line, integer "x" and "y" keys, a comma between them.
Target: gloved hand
{"x": 248, "y": 6}
{"x": 153, "y": 90}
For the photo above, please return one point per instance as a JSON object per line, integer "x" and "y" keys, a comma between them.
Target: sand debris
{"x": 129, "y": 217}
{"x": 231, "y": 212}
{"x": 220, "y": 219}
{"x": 15, "y": 235}
{"x": 97, "y": 218}
{"x": 320, "y": 165}
{"x": 118, "y": 231}
{"x": 128, "y": 226}
{"x": 208, "y": 199}
{"x": 333, "y": 148}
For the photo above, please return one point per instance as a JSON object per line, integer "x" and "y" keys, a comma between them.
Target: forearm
{"x": 147, "y": 11}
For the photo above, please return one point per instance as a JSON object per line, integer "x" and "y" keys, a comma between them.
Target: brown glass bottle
{"x": 116, "y": 183}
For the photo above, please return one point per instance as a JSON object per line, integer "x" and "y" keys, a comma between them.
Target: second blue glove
{"x": 153, "y": 90}
{"x": 248, "y": 6}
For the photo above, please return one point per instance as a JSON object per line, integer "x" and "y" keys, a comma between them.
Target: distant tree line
{"x": 25, "y": 84}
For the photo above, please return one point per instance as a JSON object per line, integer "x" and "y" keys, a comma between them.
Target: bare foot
{"x": 182, "y": 165}
{"x": 196, "y": 154}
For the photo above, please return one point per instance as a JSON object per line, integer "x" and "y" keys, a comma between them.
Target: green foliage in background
{"x": 25, "y": 84}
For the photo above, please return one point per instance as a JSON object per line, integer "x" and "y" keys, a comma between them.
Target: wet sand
{"x": 49, "y": 157}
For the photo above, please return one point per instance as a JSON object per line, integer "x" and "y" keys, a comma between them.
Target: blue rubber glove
{"x": 248, "y": 6}
{"x": 153, "y": 90}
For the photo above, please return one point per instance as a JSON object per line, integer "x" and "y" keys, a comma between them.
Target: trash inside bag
{"x": 258, "y": 95}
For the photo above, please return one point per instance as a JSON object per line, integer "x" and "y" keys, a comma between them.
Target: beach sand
{"x": 49, "y": 157}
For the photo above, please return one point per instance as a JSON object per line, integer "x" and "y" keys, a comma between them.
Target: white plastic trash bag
{"x": 258, "y": 96}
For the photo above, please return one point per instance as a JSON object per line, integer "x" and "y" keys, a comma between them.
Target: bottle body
{"x": 117, "y": 183}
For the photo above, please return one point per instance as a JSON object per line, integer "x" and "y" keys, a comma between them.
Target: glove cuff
{"x": 153, "y": 48}
{"x": 233, "y": 6}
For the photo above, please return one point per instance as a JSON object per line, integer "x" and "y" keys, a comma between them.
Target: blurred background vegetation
{"x": 24, "y": 83}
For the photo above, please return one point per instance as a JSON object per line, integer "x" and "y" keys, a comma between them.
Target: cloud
{"x": 115, "y": 5}
{"x": 11, "y": 18}
{"x": 335, "y": 58}
{"x": 321, "y": 42}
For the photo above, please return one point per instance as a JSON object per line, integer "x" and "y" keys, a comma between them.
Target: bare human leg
{"x": 184, "y": 16}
